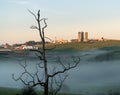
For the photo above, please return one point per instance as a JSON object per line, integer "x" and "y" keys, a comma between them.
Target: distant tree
{"x": 30, "y": 43}
{"x": 15, "y": 45}
{"x": 51, "y": 80}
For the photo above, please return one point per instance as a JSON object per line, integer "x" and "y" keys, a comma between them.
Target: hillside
{"x": 85, "y": 45}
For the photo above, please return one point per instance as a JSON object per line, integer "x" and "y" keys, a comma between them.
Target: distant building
{"x": 25, "y": 47}
{"x": 79, "y": 36}
{"x": 86, "y": 37}
{"x": 61, "y": 41}
{"x": 82, "y": 36}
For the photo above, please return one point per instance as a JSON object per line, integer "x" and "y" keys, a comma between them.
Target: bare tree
{"x": 51, "y": 82}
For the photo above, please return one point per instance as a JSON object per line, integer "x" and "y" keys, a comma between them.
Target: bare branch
{"x": 66, "y": 68}
{"x": 49, "y": 39}
{"x": 59, "y": 84}
{"x": 34, "y": 27}
{"x": 42, "y": 19}
{"x": 44, "y": 26}
{"x": 59, "y": 60}
{"x": 33, "y": 14}
{"x": 31, "y": 83}
{"x": 38, "y": 21}
{"x": 20, "y": 79}
{"x": 56, "y": 84}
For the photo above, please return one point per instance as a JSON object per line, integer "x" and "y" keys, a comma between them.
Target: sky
{"x": 100, "y": 18}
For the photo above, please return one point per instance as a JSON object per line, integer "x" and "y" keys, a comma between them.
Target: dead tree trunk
{"x": 35, "y": 78}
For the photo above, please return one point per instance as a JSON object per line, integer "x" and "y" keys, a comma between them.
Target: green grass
{"x": 85, "y": 45}
{"x": 107, "y": 90}
{"x": 14, "y": 91}
{"x": 9, "y": 91}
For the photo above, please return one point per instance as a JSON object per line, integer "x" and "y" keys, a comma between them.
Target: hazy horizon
{"x": 65, "y": 19}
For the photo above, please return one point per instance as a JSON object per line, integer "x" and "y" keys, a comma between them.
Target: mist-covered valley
{"x": 97, "y": 72}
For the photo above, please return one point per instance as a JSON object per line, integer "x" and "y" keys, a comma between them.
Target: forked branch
{"x": 66, "y": 68}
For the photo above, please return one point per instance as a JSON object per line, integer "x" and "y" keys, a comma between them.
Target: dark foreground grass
{"x": 9, "y": 91}
{"x": 15, "y": 91}
{"x": 97, "y": 91}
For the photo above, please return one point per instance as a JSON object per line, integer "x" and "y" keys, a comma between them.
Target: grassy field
{"x": 101, "y": 91}
{"x": 8, "y": 91}
{"x": 14, "y": 91}
{"x": 85, "y": 45}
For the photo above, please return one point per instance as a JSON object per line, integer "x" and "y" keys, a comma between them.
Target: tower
{"x": 86, "y": 37}
{"x": 82, "y": 36}
{"x": 79, "y": 36}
